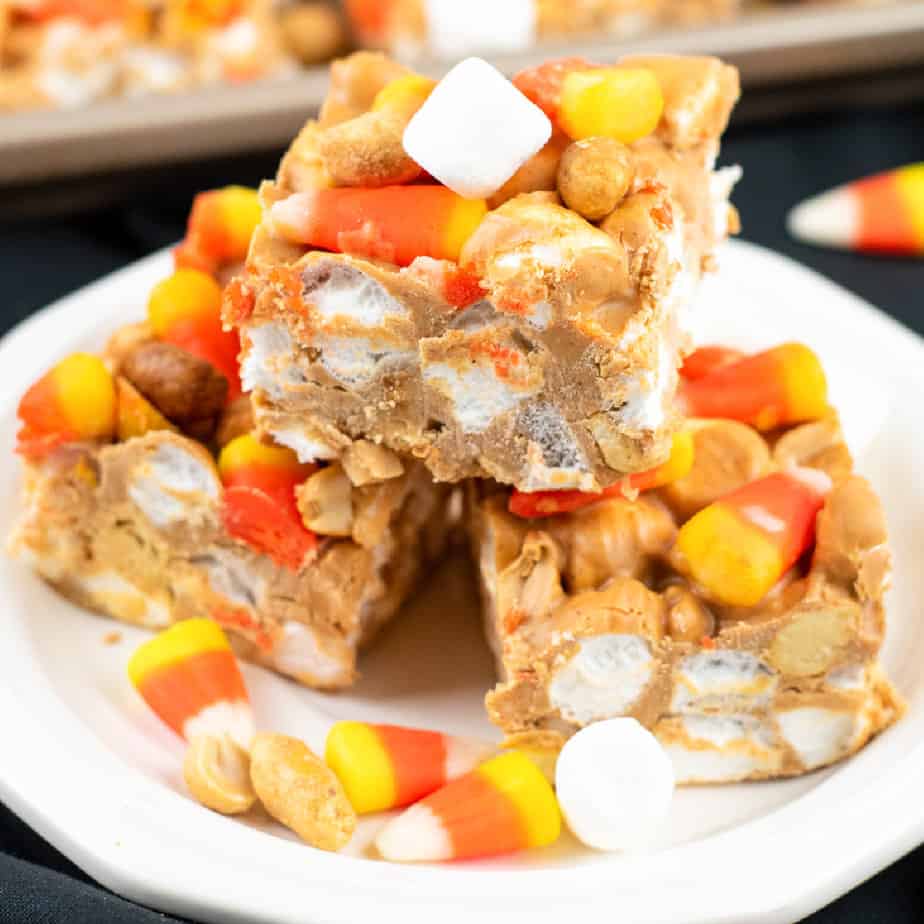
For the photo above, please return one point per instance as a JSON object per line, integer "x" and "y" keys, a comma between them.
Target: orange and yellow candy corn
{"x": 404, "y": 95}
{"x": 880, "y": 214}
{"x": 370, "y": 19}
{"x": 136, "y": 415}
{"x": 190, "y": 678}
{"x": 738, "y": 547}
{"x": 504, "y": 805}
{"x": 585, "y": 100}
{"x": 542, "y": 84}
{"x": 185, "y": 309}
{"x": 259, "y": 505}
{"x": 387, "y": 766}
{"x": 610, "y": 102}
{"x": 531, "y": 504}
{"x": 219, "y": 229}
{"x": 707, "y": 359}
{"x": 392, "y": 223}
{"x": 76, "y": 400}
{"x": 783, "y": 385}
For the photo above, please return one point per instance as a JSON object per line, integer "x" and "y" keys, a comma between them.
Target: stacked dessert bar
{"x": 491, "y": 284}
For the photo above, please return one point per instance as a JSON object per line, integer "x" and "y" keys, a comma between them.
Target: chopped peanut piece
{"x": 325, "y": 502}
{"x": 300, "y": 791}
{"x": 688, "y": 618}
{"x": 368, "y": 463}
{"x": 217, "y": 773}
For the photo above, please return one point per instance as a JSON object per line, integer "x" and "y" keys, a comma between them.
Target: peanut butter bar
{"x": 529, "y": 330}
{"x": 593, "y": 614}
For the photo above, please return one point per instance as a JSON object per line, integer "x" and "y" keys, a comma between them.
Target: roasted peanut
{"x": 539, "y": 173}
{"x": 624, "y": 605}
{"x": 367, "y": 151}
{"x": 594, "y": 176}
{"x": 217, "y": 773}
{"x": 529, "y": 587}
{"x": 325, "y": 501}
{"x": 814, "y": 640}
{"x": 355, "y": 81}
{"x": 236, "y": 420}
{"x": 300, "y": 791}
{"x": 688, "y": 618}
{"x": 727, "y": 455}
{"x": 313, "y": 31}
{"x": 187, "y": 390}
{"x": 819, "y": 444}
{"x": 368, "y": 463}
{"x": 639, "y": 217}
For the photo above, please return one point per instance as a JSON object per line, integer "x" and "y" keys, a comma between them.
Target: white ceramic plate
{"x": 87, "y": 765}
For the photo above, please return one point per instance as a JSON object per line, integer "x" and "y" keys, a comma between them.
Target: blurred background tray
{"x": 783, "y": 45}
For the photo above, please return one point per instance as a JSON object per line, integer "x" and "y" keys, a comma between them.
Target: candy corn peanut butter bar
{"x": 148, "y": 498}
{"x": 736, "y": 611}
{"x": 493, "y": 277}
{"x": 447, "y": 29}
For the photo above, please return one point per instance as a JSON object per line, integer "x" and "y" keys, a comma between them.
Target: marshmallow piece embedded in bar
{"x": 475, "y": 130}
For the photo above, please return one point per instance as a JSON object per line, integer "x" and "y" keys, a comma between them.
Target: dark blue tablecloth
{"x": 119, "y": 221}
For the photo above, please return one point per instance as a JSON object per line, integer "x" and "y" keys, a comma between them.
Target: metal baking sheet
{"x": 771, "y": 46}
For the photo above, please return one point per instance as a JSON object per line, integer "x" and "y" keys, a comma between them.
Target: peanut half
{"x": 217, "y": 773}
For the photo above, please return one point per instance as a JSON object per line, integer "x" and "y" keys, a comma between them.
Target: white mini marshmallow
{"x": 475, "y": 130}
{"x": 457, "y": 29}
{"x": 614, "y": 783}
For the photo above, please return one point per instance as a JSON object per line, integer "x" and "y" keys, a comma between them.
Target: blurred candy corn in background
{"x": 879, "y": 214}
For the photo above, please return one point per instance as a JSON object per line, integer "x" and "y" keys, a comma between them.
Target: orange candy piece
{"x": 542, "y": 84}
{"x": 219, "y": 229}
{"x": 76, "y": 400}
{"x": 259, "y": 505}
{"x": 391, "y": 223}
{"x": 783, "y": 385}
{"x": 185, "y": 309}
{"x": 136, "y": 415}
{"x": 190, "y": 678}
{"x": 707, "y": 359}
{"x": 532, "y": 504}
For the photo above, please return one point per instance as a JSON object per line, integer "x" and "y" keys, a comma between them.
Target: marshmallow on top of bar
{"x": 491, "y": 276}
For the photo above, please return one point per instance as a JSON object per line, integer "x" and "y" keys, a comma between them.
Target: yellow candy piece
{"x": 729, "y": 556}
{"x": 610, "y": 102}
{"x": 404, "y": 94}
{"x": 248, "y": 450}
{"x": 182, "y": 296}
{"x": 241, "y": 211}
{"x": 86, "y": 394}
{"x": 180, "y": 642}
{"x": 359, "y": 758}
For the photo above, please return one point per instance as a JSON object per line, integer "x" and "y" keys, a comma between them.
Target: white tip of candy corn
{"x": 831, "y": 219}
{"x": 234, "y": 719}
{"x": 614, "y": 783}
{"x": 417, "y": 834}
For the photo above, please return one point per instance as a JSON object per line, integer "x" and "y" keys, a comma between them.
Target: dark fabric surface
{"x": 784, "y": 162}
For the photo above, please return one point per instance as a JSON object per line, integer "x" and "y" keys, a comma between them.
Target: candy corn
{"x": 190, "y": 678}
{"x": 76, "y": 400}
{"x": 185, "y": 309}
{"x": 370, "y": 19}
{"x": 92, "y": 12}
{"x": 387, "y": 766}
{"x": 880, "y": 214}
{"x": 542, "y": 84}
{"x": 504, "y": 805}
{"x": 707, "y": 359}
{"x": 611, "y": 102}
{"x": 404, "y": 95}
{"x": 259, "y": 505}
{"x": 393, "y": 223}
{"x": 219, "y": 229}
{"x": 783, "y": 385}
{"x": 189, "y": 17}
{"x": 136, "y": 415}
{"x": 738, "y": 547}
{"x": 548, "y": 503}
